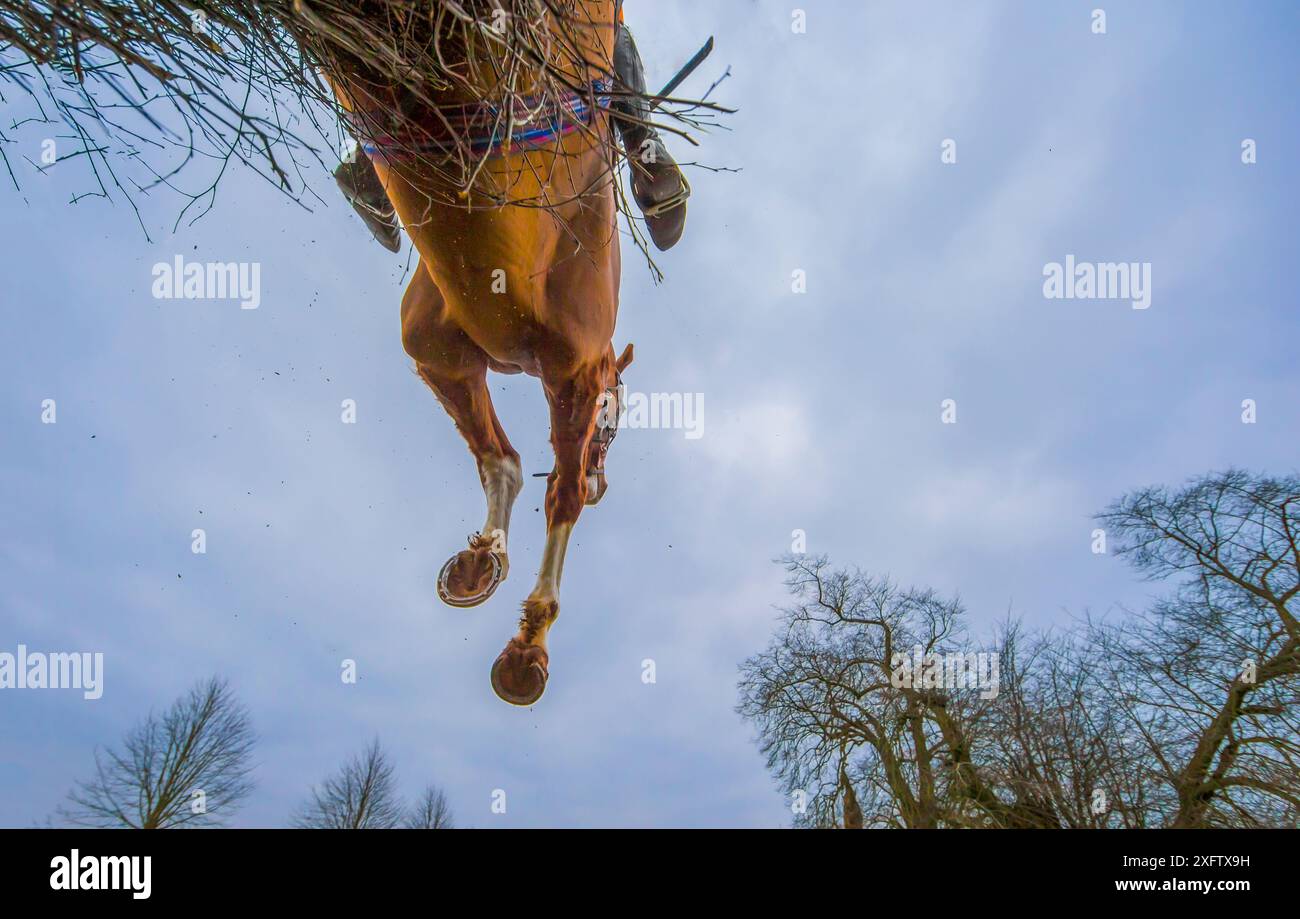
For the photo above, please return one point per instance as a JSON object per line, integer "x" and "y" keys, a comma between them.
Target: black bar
{"x": 941, "y": 868}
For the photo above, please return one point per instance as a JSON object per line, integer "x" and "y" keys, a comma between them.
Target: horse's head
{"x": 607, "y": 419}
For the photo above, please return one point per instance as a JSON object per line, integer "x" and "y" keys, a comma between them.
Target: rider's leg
{"x": 658, "y": 186}
{"x": 360, "y": 184}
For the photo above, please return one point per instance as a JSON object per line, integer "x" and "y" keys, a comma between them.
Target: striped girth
{"x": 480, "y": 128}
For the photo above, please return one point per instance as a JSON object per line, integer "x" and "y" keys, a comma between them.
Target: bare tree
{"x": 836, "y": 724}
{"x": 1185, "y": 715}
{"x": 1211, "y": 675}
{"x": 1232, "y": 535}
{"x": 362, "y": 795}
{"x": 431, "y": 812}
{"x": 188, "y": 767}
{"x": 1057, "y": 741}
{"x": 1047, "y": 749}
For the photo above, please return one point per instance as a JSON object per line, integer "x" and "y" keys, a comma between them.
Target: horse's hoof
{"x": 519, "y": 673}
{"x": 470, "y": 577}
{"x": 596, "y": 486}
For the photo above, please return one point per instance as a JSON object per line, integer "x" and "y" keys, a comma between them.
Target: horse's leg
{"x": 456, "y": 370}
{"x": 520, "y": 672}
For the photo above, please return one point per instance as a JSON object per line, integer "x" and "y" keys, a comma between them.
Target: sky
{"x": 823, "y": 410}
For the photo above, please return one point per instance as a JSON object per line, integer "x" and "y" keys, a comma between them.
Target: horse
{"x": 520, "y": 278}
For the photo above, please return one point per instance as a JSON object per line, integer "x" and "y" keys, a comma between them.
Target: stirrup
{"x": 662, "y": 207}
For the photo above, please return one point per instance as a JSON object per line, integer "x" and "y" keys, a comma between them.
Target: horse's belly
{"x": 530, "y": 287}
{"x": 520, "y": 302}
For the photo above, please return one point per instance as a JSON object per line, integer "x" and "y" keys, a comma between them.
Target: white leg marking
{"x": 548, "y": 575}
{"x": 502, "y": 480}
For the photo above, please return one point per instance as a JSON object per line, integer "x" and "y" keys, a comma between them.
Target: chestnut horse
{"x": 512, "y": 288}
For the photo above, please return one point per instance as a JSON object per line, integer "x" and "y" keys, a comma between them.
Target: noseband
{"x": 605, "y": 433}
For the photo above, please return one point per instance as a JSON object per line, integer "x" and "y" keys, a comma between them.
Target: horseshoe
{"x": 446, "y": 596}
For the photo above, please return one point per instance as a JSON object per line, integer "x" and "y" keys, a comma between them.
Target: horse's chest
{"x": 506, "y": 326}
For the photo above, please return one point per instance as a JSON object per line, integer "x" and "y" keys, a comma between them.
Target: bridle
{"x": 606, "y": 432}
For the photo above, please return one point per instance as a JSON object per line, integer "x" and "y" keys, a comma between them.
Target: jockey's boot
{"x": 658, "y": 185}
{"x": 361, "y": 186}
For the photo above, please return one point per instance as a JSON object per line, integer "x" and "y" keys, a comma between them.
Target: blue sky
{"x": 822, "y": 410}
